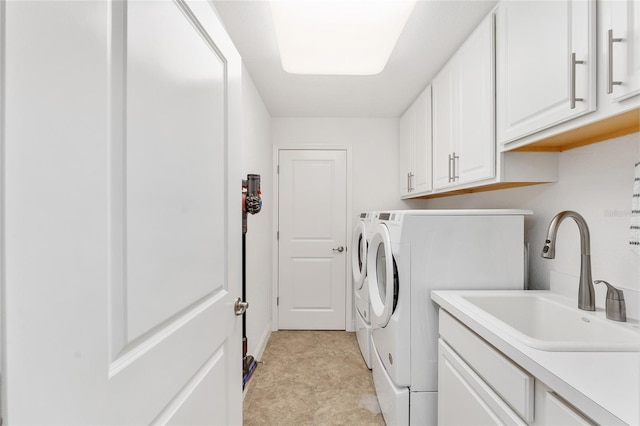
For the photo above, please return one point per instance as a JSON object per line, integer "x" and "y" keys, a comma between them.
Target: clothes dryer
{"x": 411, "y": 253}
{"x": 361, "y": 236}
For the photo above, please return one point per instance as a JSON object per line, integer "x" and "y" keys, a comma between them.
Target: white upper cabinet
{"x": 463, "y": 105}
{"x": 546, "y": 64}
{"x": 623, "y": 49}
{"x": 443, "y": 128}
{"x": 406, "y": 138}
{"x": 415, "y": 147}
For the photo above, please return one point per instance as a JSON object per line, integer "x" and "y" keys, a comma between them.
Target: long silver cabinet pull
{"x": 450, "y": 161}
{"x": 411, "y": 175}
{"x": 610, "y": 81}
{"x": 572, "y": 82}
{"x": 408, "y": 181}
{"x": 455, "y": 160}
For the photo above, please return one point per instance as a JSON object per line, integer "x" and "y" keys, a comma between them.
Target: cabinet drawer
{"x": 514, "y": 385}
{"x": 464, "y": 398}
{"x": 557, "y": 412}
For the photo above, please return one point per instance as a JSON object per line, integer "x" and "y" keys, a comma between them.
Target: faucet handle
{"x": 615, "y": 306}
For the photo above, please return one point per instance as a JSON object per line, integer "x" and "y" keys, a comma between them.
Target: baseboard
{"x": 262, "y": 344}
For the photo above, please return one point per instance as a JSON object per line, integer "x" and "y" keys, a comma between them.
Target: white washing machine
{"x": 361, "y": 236}
{"x": 411, "y": 253}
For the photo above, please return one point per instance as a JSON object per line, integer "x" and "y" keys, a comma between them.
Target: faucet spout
{"x": 586, "y": 293}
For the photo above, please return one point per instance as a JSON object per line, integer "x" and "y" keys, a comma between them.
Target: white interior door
{"x": 121, "y": 214}
{"x": 313, "y": 239}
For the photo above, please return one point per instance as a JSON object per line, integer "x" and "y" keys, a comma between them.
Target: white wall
{"x": 596, "y": 181}
{"x": 374, "y": 145}
{"x": 257, "y": 159}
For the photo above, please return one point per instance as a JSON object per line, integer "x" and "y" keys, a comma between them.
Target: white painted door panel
{"x": 476, "y": 135}
{"x": 625, "y": 45}
{"x": 422, "y": 160}
{"x": 445, "y": 99}
{"x": 312, "y": 224}
{"x": 415, "y": 139}
{"x": 173, "y": 170}
{"x": 535, "y": 41}
{"x": 463, "y": 130}
{"x": 406, "y": 136}
{"x": 121, "y": 194}
{"x": 464, "y": 398}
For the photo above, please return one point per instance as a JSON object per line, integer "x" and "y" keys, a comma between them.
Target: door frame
{"x": 349, "y": 314}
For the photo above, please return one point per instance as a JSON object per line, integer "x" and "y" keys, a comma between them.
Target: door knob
{"x": 338, "y": 249}
{"x": 240, "y": 307}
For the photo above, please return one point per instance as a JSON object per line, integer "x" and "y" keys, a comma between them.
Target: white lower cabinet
{"x": 557, "y": 412}
{"x": 479, "y": 385}
{"x": 464, "y": 398}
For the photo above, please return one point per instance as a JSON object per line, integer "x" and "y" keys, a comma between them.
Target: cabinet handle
{"x": 455, "y": 159}
{"x": 409, "y": 181}
{"x": 572, "y": 82}
{"x": 452, "y": 167}
{"x": 610, "y": 82}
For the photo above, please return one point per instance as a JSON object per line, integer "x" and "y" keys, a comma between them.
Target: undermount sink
{"x": 545, "y": 320}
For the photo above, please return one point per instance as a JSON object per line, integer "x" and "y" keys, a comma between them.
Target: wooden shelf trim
{"x": 608, "y": 128}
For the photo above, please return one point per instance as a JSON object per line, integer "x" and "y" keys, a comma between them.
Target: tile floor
{"x": 311, "y": 378}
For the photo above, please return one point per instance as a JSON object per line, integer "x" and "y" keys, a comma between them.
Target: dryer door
{"x": 359, "y": 255}
{"x": 382, "y": 277}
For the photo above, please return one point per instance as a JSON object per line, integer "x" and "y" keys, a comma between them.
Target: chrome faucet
{"x": 586, "y": 293}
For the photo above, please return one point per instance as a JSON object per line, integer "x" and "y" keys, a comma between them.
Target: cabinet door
{"x": 557, "y": 412}
{"x": 444, "y": 100}
{"x": 545, "y": 64}
{"x": 464, "y": 398}
{"x": 406, "y": 141}
{"x": 463, "y": 130}
{"x": 623, "y": 48}
{"x": 475, "y": 106}
{"x": 421, "y": 181}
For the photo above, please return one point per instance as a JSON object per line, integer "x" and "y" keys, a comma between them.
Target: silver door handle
{"x": 240, "y": 307}
{"x": 338, "y": 249}
{"x": 610, "y": 81}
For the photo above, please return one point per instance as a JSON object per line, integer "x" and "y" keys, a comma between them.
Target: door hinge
{"x": 277, "y": 301}
{"x": 278, "y": 169}
{"x": 277, "y": 235}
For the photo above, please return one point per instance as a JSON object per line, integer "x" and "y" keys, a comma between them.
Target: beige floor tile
{"x": 347, "y": 408}
{"x": 311, "y": 378}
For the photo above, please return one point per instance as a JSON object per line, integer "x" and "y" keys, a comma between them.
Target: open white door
{"x": 121, "y": 214}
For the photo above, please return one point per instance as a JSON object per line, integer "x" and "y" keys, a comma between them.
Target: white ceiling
{"x": 434, "y": 31}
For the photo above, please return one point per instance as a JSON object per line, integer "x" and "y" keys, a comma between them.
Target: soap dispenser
{"x": 615, "y": 306}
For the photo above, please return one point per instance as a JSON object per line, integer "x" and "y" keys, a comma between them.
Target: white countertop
{"x": 603, "y": 385}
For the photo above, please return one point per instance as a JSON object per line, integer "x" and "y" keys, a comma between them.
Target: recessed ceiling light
{"x": 340, "y": 37}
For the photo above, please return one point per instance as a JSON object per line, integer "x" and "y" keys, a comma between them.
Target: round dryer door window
{"x": 383, "y": 290}
{"x": 358, "y": 255}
